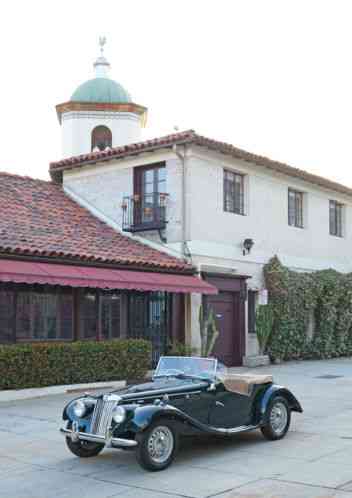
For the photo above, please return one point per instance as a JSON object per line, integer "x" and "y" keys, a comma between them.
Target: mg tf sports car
{"x": 187, "y": 396}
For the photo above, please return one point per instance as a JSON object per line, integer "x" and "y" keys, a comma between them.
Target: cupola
{"x": 99, "y": 114}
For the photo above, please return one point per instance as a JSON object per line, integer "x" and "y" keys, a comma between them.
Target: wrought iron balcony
{"x": 144, "y": 212}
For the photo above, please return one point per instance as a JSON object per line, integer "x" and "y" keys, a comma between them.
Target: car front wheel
{"x": 84, "y": 449}
{"x": 157, "y": 446}
{"x": 278, "y": 419}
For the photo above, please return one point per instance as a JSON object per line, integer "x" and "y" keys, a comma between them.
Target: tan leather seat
{"x": 242, "y": 383}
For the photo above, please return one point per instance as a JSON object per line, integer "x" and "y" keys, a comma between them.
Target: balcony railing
{"x": 144, "y": 212}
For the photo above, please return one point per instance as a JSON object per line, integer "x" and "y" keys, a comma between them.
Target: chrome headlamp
{"x": 79, "y": 408}
{"x": 119, "y": 414}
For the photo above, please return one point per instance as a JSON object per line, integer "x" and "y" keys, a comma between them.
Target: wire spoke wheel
{"x": 160, "y": 444}
{"x": 278, "y": 417}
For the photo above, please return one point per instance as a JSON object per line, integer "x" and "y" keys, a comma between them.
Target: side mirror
{"x": 212, "y": 387}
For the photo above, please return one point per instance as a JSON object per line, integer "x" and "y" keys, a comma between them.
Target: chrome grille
{"x": 102, "y": 416}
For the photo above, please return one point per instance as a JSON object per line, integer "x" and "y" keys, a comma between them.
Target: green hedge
{"x": 43, "y": 364}
{"x": 323, "y": 297}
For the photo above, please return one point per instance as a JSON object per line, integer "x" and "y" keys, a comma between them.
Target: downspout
{"x": 182, "y": 157}
{"x": 184, "y": 248}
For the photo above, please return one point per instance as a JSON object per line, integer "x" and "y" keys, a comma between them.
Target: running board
{"x": 235, "y": 430}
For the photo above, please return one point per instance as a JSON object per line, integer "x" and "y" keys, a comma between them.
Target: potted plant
{"x": 264, "y": 321}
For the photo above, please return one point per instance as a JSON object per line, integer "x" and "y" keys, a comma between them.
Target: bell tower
{"x": 100, "y": 113}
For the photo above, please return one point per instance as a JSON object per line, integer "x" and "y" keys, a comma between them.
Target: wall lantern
{"x": 247, "y": 246}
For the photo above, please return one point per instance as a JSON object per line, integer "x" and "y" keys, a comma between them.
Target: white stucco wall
{"x": 77, "y": 126}
{"x": 104, "y": 186}
{"x": 215, "y": 237}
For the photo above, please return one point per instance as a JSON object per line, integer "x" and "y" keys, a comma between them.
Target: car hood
{"x": 160, "y": 387}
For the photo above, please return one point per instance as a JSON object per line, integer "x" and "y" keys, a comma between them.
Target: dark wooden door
{"x": 228, "y": 348}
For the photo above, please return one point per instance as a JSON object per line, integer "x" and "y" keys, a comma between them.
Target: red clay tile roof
{"x": 190, "y": 137}
{"x": 39, "y": 219}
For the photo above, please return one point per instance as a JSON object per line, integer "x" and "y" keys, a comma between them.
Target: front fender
{"x": 143, "y": 416}
{"x": 276, "y": 390}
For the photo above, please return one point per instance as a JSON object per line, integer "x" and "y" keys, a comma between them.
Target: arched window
{"x": 101, "y": 137}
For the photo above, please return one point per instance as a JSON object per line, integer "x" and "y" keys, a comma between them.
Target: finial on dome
{"x": 101, "y": 65}
{"x": 102, "y": 42}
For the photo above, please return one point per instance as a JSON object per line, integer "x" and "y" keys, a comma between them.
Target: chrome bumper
{"x": 108, "y": 440}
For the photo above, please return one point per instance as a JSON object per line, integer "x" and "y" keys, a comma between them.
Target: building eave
{"x": 190, "y": 137}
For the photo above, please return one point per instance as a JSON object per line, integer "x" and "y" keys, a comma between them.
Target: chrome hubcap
{"x": 160, "y": 444}
{"x": 278, "y": 417}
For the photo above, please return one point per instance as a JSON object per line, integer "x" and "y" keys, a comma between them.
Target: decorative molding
{"x": 96, "y": 106}
{"x": 100, "y": 115}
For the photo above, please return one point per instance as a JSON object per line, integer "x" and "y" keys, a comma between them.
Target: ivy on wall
{"x": 312, "y": 312}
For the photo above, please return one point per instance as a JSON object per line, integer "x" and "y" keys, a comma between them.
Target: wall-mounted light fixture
{"x": 247, "y": 246}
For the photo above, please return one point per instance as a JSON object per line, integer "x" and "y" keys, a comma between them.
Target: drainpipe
{"x": 184, "y": 248}
{"x": 182, "y": 158}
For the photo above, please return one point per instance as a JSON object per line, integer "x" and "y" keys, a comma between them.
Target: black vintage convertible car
{"x": 187, "y": 396}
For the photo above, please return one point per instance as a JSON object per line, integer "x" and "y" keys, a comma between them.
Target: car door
{"x": 230, "y": 410}
{"x": 199, "y": 404}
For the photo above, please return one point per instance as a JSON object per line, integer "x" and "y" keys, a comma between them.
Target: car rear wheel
{"x": 157, "y": 446}
{"x": 84, "y": 449}
{"x": 279, "y": 418}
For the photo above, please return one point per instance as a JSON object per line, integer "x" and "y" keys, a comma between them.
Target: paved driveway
{"x": 313, "y": 461}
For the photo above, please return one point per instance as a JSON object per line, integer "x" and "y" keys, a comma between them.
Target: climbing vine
{"x": 312, "y": 312}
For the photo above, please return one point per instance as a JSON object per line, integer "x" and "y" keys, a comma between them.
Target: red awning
{"x": 29, "y": 272}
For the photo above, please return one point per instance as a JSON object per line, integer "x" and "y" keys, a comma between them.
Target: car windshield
{"x": 184, "y": 366}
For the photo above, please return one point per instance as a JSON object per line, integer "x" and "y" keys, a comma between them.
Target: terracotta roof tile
{"x": 38, "y": 218}
{"x": 190, "y": 137}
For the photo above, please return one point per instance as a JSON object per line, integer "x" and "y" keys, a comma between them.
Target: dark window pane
{"x": 88, "y": 315}
{"x": 44, "y": 319}
{"x": 43, "y": 316}
{"x": 7, "y": 311}
{"x": 101, "y": 137}
{"x": 110, "y": 315}
{"x": 295, "y": 208}
{"x": 233, "y": 192}
{"x": 23, "y": 316}
{"x": 148, "y": 318}
{"x": 335, "y": 218}
{"x": 66, "y": 316}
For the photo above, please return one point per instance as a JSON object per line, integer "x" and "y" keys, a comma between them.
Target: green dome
{"x": 102, "y": 90}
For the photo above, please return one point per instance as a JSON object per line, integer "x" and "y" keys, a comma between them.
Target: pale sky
{"x": 271, "y": 76}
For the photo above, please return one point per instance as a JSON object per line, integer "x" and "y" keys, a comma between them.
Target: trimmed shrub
{"x": 44, "y": 364}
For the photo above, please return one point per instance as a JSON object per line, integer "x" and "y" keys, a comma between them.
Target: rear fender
{"x": 274, "y": 391}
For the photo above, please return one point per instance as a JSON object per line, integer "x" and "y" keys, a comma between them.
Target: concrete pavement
{"x": 313, "y": 461}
